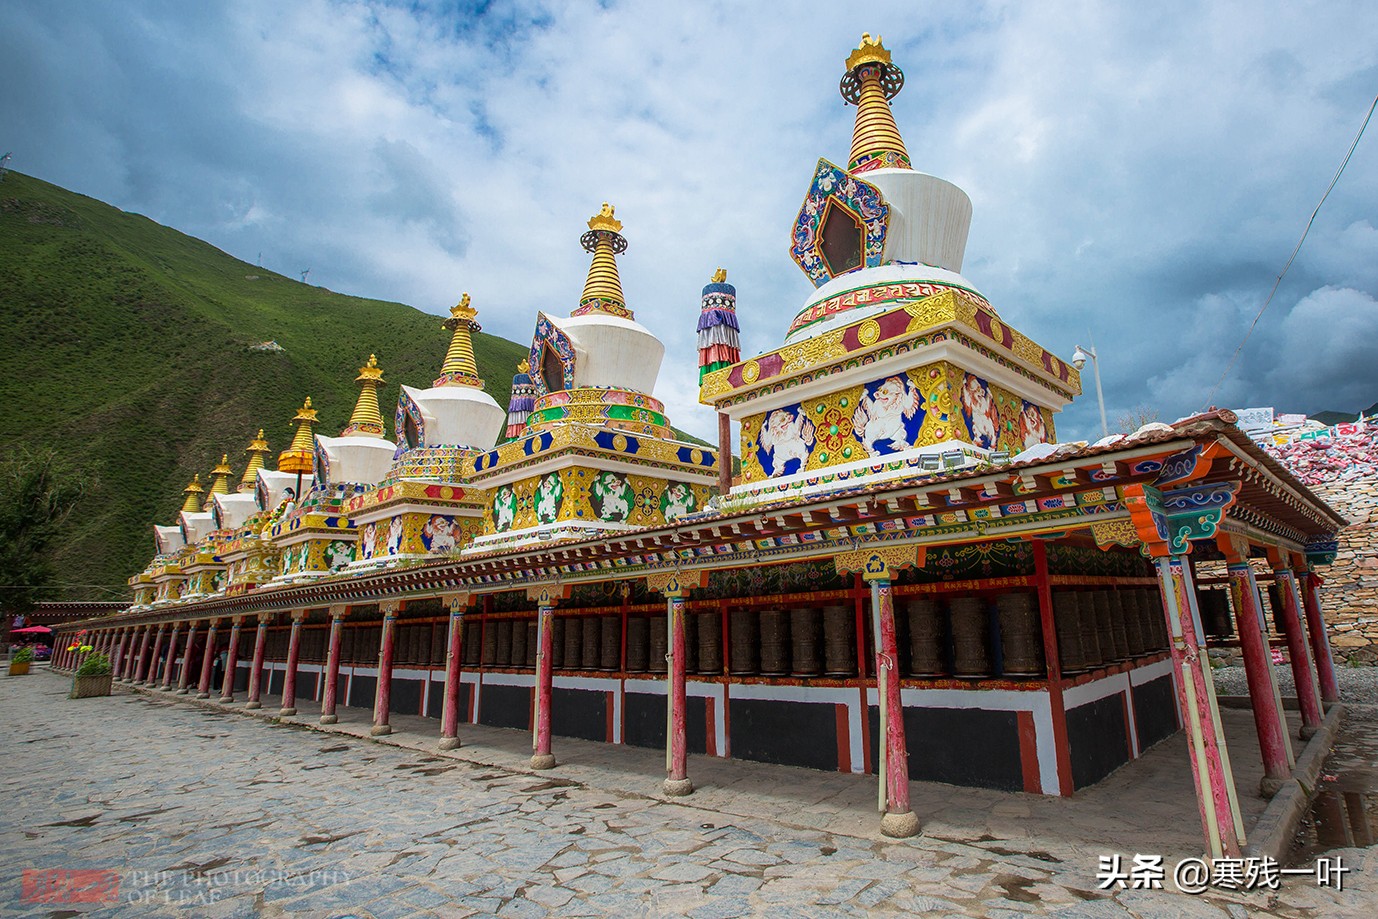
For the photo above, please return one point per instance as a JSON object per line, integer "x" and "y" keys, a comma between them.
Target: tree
{"x": 1130, "y": 421}
{"x": 37, "y": 494}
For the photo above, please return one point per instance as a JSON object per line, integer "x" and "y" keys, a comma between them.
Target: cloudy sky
{"x": 1139, "y": 172}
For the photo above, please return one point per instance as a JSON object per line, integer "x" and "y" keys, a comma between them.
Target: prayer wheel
{"x": 637, "y": 634}
{"x": 1275, "y": 606}
{"x": 806, "y": 636}
{"x": 1021, "y": 637}
{"x": 1105, "y": 637}
{"x": 610, "y": 643}
{"x": 471, "y": 642}
{"x": 1215, "y": 613}
{"x": 574, "y": 640}
{"x": 518, "y": 656}
{"x": 490, "y": 643}
{"x": 744, "y": 659}
{"x": 925, "y": 636}
{"x": 1092, "y": 649}
{"x": 503, "y": 628}
{"x": 839, "y": 641}
{"x": 1158, "y": 617}
{"x": 591, "y": 645}
{"x": 532, "y": 644}
{"x": 775, "y": 643}
{"x": 691, "y": 643}
{"x": 709, "y": 628}
{"x": 1067, "y": 620}
{"x": 659, "y": 645}
{"x": 970, "y": 631}
{"x": 1126, "y": 610}
{"x": 557, "y": 643}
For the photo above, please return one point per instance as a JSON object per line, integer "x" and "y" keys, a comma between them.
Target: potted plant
{"x": 20, "y": 660}
{"x": 93, "y": 677}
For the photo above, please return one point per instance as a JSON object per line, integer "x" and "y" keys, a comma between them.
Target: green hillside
{"x": 128, "y": 349}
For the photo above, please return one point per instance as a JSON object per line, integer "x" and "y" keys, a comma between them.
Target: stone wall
{"x": 1349, "y": 592}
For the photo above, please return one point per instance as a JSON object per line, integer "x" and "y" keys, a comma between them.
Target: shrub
{"x": 95, "y": 664}
{"x": 23, "y": 655}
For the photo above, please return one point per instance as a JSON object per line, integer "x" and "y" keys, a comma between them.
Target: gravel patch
{"x": 1358, "y": 685}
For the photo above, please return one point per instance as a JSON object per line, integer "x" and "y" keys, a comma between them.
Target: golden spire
{"x": 603, "y": 289}
{"x": 870, "y": 82}
{"x": 459, "y": 368}
{"x": 300, "y": 457}
{"x": 366, "y": 418}
{"x": 220, "y": 477}
{"x": 194, "y": 491}
{"x": 257, "y": 450}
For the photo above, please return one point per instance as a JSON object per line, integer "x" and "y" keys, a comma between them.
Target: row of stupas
{"x": 896, "y": 366}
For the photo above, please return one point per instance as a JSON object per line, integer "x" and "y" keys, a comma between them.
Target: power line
{"x": 1293, "y": 256}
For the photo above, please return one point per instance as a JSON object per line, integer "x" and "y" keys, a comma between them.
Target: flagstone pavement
{"x": 191, "y": 809}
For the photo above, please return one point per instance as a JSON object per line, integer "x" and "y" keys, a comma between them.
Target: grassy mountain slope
{"x": 127, "y": 349}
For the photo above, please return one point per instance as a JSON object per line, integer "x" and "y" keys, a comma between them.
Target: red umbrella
{"x": 32, "y": 630}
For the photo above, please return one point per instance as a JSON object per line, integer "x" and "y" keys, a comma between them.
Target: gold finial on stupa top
{"x": 603, "y": 288}
{"x": 257, "y": 450}
{"x": 870, "y": 82}
{"x": 193, "y": 491}
{"x": 300, "y": 456}
{"x": 524, "y": 366}
{"x": 366, "y": 418}
{"x": 460, "y": 368}
{"x": 220, "y": 476}
{"x": 720, "y": 276}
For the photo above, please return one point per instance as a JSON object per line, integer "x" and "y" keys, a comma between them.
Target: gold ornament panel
{"x": 594, "y": 495}
{"x": 990, "y": 416}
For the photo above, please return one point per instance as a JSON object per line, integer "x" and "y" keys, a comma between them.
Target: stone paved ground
{"x": 202, "y": 812}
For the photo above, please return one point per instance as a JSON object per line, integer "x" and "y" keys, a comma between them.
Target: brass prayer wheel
{"x": 806, "y": 634}
{"x": 490, "y": 644}
{"x": 691, "y": 643}
{"x": 472, "y": 651}
{"x": 1126, "y": 610}
{"x": 775, "y": 642}
{"x": 970, "y": 631}
{"x": 574, "y": 641}
{"x": 743, "y": 656}
{"x": 610, "y": 643}
{"x": 709, "y": 628}
{"x": 926, "y": 636}
{"x": 591, "y": 628}
{"x": 1021, "y": 635}
{"x": 1105, "y": 630}
{"x": 518, "y": 656}
{"x": 839, "y": 641}
{"x": 503, "y": 630}
{"x": 1067, "y": 620}
{"x": 638, "y": 634}
{"x": 557, "y": 643}
{"x": 1093, "y": 650}
{"x": 659, "y": 645}
{"x": 531, "y": 644}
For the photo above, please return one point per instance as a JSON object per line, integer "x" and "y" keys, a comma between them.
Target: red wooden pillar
{"x": 146, "y": 674}
{"x": 382, "y": 699}
{"x": 332, "y": 665}
{"x": 899, "y": 820}
{"x": 171, "y": 659}
{"x": 231, "y": 662}
{"x": 256, "y": 668}
{"x": 289, "y": 679}
{"x": 184, "y": 676}
{"x": 1308, "y": 694}
{"x": 121, "y": 652}
{"x": 1215, "y": 791}
{"x": 1320, "y": 639}
{"x": 449, "y": 715}
{"x": 1057, "y": 709}
{"x": 1258, "y": 669}
{"x": 137, "y": 649}
{"x": 203, "y": 685}
{"x": 677, "y": 781}
{"x": 542, "y": 758}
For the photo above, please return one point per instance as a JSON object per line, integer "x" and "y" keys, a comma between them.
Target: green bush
{"x": 94, "y": 664}
{"x": 23, "y": 655}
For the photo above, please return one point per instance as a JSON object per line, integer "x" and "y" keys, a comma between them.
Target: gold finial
{"x": 193, "y": 491}
{"x": 300, "y": 455}
{"x": 257, "y": 450}
{"x": 603, "y": 288}
{"x": 604, "y": 220}
{"x": 720, "y": 276}
{"x": 366, "y": 419}
{"x": 524, "y": 366}
{"x": 459, "y": 368}
{"x": 870, "y": 82}
{"x": 220, "y": 476}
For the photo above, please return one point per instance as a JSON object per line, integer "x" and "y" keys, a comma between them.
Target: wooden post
{"x": 541, "y": 757}
{"x": 454, "y": 666}
{"x": 1215, "y": 792}
{"x": 184, "y": 676}
{"x": 899, "y": 820}
{"x": 231, "y": 662}
{"x": 332, "y": 665}
{"x": 724, "y": 455}
{"x": 131, "y": 670}
{"x": 1303, "y": 676}
{"x": 1320, "y": 639}
{"x": 1258, "y": 669}
{"x": 677, "y": 782}
{"x": 145, "y": 675}
{"x": 203, "y": 686}
{"x": 256, "y": 668}
{"x": 289, "y": 679}
{"x": 121, "y": 652}
{"x": 382, "y": 699}
{"x": 1057, "y": 709}
{"x": 171, "y": 657}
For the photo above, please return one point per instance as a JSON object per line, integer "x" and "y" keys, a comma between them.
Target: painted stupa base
{"x": 426, "y": 464}
{"x": 412, "y": 523}
{"x": 612, "y": 409}
{"x": 544, "y": 533}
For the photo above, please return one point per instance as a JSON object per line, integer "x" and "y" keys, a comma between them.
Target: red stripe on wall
{"x": 710, "y": 719}
{"x": 1028, "y": 753}
{"x": 844, "y": 737}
